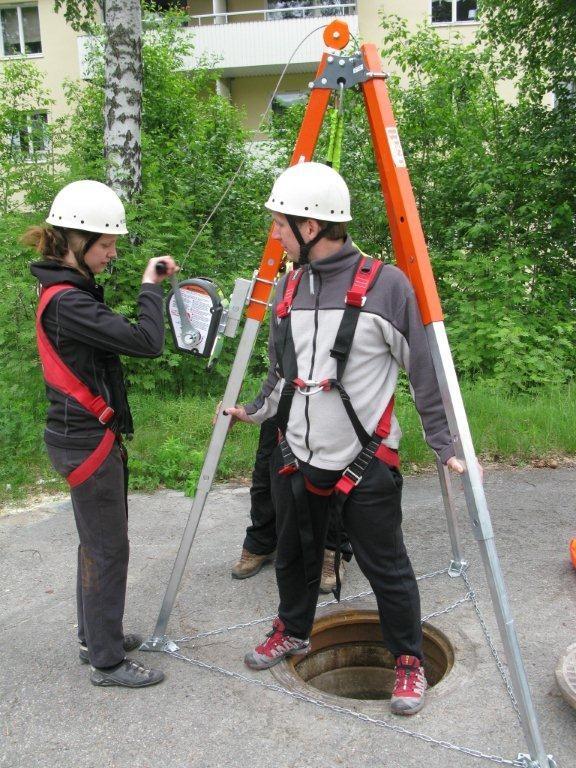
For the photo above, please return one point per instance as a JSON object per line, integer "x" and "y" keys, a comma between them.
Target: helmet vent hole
{"x": 107, "y": 225}
{"x": 305, "y": 207}
{"x": 81, "y": 221}
{"x": 331, "y": 211}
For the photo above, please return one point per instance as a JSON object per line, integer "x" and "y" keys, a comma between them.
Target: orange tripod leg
{"x": 407, "y": 236}
{"x": 303, "y": 151}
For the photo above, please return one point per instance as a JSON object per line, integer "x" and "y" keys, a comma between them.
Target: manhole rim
{"x": 566, "y": 675}
{"x": 284, "y": 672}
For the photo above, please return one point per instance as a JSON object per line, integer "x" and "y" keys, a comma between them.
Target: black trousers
{"x": 261, "y": 538}
{"x": 101, "y": 515}
{"x": 372, "y": 517}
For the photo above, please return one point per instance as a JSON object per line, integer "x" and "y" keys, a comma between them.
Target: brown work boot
{"x": 328, "y": 579}
{"x": 250, "y": 564}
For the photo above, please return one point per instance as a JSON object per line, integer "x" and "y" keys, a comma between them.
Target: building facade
{"x": 248, "y": 41}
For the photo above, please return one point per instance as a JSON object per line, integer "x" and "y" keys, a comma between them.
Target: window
{"x": 170, "y": 5}
{"x": 30, "y": 135}
{"x": 20, "y": 27}
{"x": 453, "y": 11}
{"x": 299, "y": 9}
{"x": 286, "y": 99}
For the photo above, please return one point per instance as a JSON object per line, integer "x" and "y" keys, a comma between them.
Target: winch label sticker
{"x": 198, "y": 306}
{"x": 395, "y": 147}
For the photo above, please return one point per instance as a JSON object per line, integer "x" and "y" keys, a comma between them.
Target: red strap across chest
{"x": 56, "y": 373}
{"x": 284, "y": 307}
{"x": 58, "y": 376}
{"x": 363, "y": 279}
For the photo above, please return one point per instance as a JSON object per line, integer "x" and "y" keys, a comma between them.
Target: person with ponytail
{"x": 80, "y": 340}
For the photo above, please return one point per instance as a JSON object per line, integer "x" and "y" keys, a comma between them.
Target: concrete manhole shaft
{"x": 348, "y": 658}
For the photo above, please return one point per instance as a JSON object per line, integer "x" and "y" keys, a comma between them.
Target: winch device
{"x": 200, "y": 316}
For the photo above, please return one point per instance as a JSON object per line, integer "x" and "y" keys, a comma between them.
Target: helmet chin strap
{"x": 305, "y": 248}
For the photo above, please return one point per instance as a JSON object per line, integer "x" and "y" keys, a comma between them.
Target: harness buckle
{"x": 348, "y": 481}
{"x": 106, "y": 415}
{"x": 283, "y": 309}
{"x": 355, "y": 298}
{"x": 288, "y": 469}
{"x": 312, "y": 386}
{"x": 353, "y": 476}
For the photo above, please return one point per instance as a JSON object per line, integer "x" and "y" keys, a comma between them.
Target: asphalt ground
{"x": 212, "y": 711}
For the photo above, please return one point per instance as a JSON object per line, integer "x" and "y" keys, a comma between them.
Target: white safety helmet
{"x": 313, "y": 191}
{"x": 89, "y": 206}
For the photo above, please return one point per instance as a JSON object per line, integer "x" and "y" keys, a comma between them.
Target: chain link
{"x": 350, "y": 712}
{"x": 491, "y": 645}
{"x": 469, "y": 597}
{"x": 465, "y": 599}
{"x": 243, "y": 625}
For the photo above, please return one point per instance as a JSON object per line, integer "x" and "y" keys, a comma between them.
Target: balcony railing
{"x": 241, "y": 49}
{"x": 312, "y": 10}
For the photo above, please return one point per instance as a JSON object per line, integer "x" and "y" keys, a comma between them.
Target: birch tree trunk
{"x": 123, "y": 96}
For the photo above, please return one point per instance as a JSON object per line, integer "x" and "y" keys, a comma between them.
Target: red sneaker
{"x": 408, "y": 694}
{"x": 278, "y": 645}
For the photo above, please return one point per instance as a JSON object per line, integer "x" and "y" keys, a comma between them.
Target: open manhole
{"x": 348, "y": 658}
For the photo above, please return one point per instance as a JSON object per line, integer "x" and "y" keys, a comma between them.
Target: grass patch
{"x": 172, "y": 435}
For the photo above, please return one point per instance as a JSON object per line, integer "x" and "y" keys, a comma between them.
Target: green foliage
{"x": 78, "y": 13}
{"x": 496, "y": 188}
{"x": 192, "y": 143}
{"x": 173, "y": 434}
{"x": 495, "y": 184}
{"x": 27, "y": 144}
{"x": 535, "y": 40}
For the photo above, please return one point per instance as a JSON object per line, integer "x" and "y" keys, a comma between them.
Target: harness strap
{"x": 361, "y": 433}
{"x": 56, "y": 372}
{"x": 61, "y": 378}
{"x": 292, "y": 282}
{"x": 299, "y": 486}
{"x": 94, "y": 461}
{"x": 367, "y": 271}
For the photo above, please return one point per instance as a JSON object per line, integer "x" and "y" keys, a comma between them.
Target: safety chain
{"x": 491, "y": 645}
{"x": 350, "y": 712}
{"x": 464, "y": 599}
{"x": 470, "y": 596}
{"x": 253, "y": 623}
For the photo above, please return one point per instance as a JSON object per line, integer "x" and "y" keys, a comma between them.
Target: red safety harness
{"x": 366, "y": 273}
{"x": 58, "y": 376}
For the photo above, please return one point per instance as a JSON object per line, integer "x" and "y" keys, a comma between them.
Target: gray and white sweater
{"x": 389, "y": 334}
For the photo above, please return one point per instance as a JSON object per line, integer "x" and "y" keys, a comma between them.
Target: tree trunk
{"x": 123, "y": 96}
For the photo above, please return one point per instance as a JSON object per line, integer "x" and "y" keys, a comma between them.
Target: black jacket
{"x": 88, "y": 337}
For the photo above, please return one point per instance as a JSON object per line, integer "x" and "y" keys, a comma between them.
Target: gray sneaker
{"x": 130, "y": 674}
{"x": 131, "y": 642}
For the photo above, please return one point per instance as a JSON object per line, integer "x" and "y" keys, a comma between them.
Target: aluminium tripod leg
{"x": 483, "y": 533}
{"x": 159, "y": 640}
{"x": 259, "y": 299}
{"x": 458, "y": 563}
{"x": 412, "y": 257}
